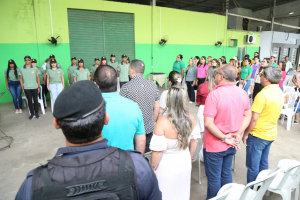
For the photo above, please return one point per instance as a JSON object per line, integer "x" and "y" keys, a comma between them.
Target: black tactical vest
{"x": 105, "y": 175}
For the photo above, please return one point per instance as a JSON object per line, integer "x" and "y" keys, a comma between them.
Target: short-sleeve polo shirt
{"x": 11, "y": 75}
{"x": 81, "y": 74}
{"x": 268, "y": 103}
{"x": 55, "y": 75}
{"x": 115, "y": 64}
{"x": 124, "y": 72}
{"x": 178, "y": 66}
{"x": 71, "y": 70}
{"x": 29, "y": 77}
{"x": 41, "y": 74}
{"x": 245, "y": 71}
{"x": 275, "y": 64}
{"x": 121, "y": 130}
{"x": 93, "y": 69}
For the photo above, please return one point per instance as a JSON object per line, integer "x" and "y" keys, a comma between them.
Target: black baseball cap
{"x": 53, "y": 61}
{"x": 72, "y": 103}
{"x": 112, "y": 55}
{"x": 80, "y": 61}
{"x": 52, "y": 56}
{"x": 123, "y": 56}
{"x": 97, "y": 59}
{"x": 247, "y": 56}
{"x": 33, "y": 60}
{"x": 27, "y": 57}
{"x": 11, "y": 61}
{"x": 73, "y": 58}
{"x": 103, "y": 58}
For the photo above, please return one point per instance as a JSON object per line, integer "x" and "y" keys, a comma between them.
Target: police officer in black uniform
{"x": 88, "y": 168}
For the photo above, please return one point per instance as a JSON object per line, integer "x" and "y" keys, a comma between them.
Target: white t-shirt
{"x": 44, "y": 66}
{"x": 163, "y": 99}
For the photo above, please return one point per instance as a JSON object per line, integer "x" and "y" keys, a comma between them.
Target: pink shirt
{"x": 226, "y": 104}
{"x": 283, "y": 78}
{"x": 202, "y": 71}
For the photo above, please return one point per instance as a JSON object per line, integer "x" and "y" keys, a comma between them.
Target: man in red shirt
{"x": 226, "y": 115}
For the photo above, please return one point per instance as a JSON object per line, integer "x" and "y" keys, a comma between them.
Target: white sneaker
{"x": 191, "y": 102}
{"x": 17, "y": 112}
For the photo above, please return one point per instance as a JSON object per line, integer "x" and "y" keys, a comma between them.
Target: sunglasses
{"x": 27, "y": 59}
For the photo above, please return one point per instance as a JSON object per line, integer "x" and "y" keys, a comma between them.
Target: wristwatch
{"x": 223, "y": 140}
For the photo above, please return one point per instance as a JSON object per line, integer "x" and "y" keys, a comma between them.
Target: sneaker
{"x": 37, "y": 115}
{"x": 17, "y": 112}
{"x": 31, "y": 117}
{"x": 295, "y": 122}
{"x": 191, "y": 102}
{"x": 45, "y": 107}
{"x": 20, "y": 111}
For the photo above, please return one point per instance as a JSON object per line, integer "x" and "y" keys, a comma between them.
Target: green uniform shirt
{"x": 49, "y": 67}
{"x": 124, "y": 72}
{"x": 115, "y": 65}
{"x": 81, "y": 74}
{"x": 245, "y": 72}
{"x": 29, "y": 77}
{"x": 93, "y": 69}
{"x": 41, "y": 74}
{"x": 274, "y": 64}
{"x": 55, "y": 75}
{"x": 11, "y": 75}
{"x": 178, "y": 66}
{"x": 71, "y": 70}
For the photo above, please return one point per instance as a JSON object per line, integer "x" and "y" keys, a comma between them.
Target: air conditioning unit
{"x": 250, "y": 39}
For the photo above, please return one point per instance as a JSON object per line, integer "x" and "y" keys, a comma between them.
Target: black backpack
{"x": 106, "y": 175}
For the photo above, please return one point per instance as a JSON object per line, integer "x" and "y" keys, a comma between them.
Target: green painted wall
{"x": 28, "y": 24}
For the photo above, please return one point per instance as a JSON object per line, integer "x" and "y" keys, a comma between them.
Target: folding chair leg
{"x": 199, "y": 169}
{"x": 289, "y": 123}
{"x": 282, "y": 119}
{"x": 234, "y": 169}
{"x": 296, "y": 193}
{"x": 42, "y": 107}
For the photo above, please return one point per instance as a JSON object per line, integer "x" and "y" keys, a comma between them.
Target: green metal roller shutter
{"x": 95, "y": 34}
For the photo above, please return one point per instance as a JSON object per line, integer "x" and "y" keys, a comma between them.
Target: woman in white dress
{"x": 173, "y": 144}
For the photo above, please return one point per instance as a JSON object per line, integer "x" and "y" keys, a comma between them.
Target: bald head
{"x": 229, "y": 73}
{"x": 106, "y": 78}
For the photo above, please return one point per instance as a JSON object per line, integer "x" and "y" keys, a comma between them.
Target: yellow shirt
{"x": 268, "y": 104}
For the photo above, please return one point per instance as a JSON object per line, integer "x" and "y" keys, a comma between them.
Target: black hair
{"x": 84, "y": 130}
{"x": 180, "y": 56}
{"x": 248, "y": 60}
{"x": 138, "y": 66}
{"x": 128, "y": 59}
{"x": 204, "y": 59}
{"x": 216, "y": 61}
{"x": 15, "y": 68}
{"x": 106, "y": 78}
{"x": 256, "y": 52}
{"x": 223, "y": 59}
{"x": 173, "y": 77}
{"x": 256, "y": 57}
{"x": 198, "y": 63}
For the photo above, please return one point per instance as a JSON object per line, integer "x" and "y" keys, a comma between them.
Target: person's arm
{"x": 63, "y": 82}
{"x": 69, "y": 78}
{"x": 89, "y": 78}
{"x": 6, "y": 81}
{"x": 48, "y": 83}
{"x": 249, "y": 76}
{"x": 75, "y": 79}
{"x": 182, "y": 72}
{"x": 156, "y": 155}
{"x": 193, "y": 142}
{"x": 294, "y": 81}
{"x": 245, "y": 123}
{"x": 213, "y": 129}
{"x": 21, "y": 83}
{"x": 160, "y": 111}
{"x": 156, "y": 110}
{"x": 252, "y": 124}
{"x": 38, "y": 81}
{"x": 92, "y": 75}
{"x": 140, "y": 143}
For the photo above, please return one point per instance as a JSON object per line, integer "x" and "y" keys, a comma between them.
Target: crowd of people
{"x": 102, "y": 133}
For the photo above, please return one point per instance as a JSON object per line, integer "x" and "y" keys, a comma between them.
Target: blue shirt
{"x": 126, "y": 120}
{"x": 146, "y": 179}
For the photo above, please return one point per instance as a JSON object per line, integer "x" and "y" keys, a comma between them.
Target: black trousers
{"x": 32, "y": 94}
{"x": 148, "y": 140}
{"x": 122, "y": 83}
{"x": 257, "y": 88}
{"x": 200, "y": 81}
{"x": 190, "y": 90}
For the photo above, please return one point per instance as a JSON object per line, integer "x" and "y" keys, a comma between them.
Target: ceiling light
{"x": 290, "y": 13}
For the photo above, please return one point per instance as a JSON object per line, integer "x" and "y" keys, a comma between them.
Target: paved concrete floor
{"x": 37, "y": 140}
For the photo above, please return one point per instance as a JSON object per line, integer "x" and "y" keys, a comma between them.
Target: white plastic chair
{"x": 197, "y": 157}
{"x": 52, "y": 106}
{"x": 26, "y": 102}
{"x": 225, "y": 193}
{"x": 40, "y": 101}
{"x": 242, "y": 192}
{"x": 288, "y": 109}
{"x": 288, "y": 89}
{"x": 287, "y": 180}
{"x": 41, "y": 92}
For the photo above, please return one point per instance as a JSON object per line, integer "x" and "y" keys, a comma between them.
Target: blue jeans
{"x": 281, "y": 88}
{"x": 248, "y": 83}
{"x": 257, "y": 152}
{"x": 15, "y": 90}
{"x": 55, "y": 90}
{"x": 218, "y": 170}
